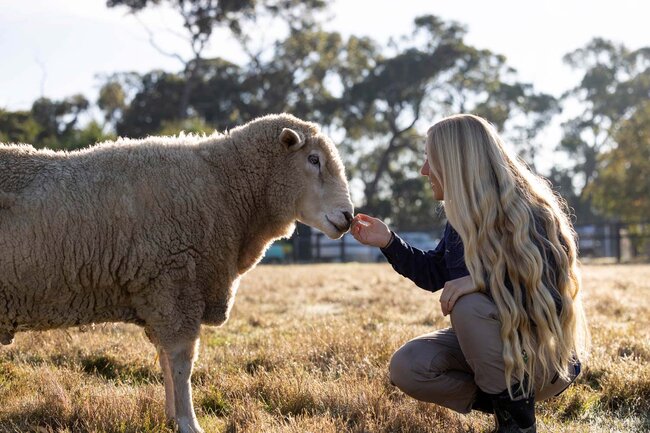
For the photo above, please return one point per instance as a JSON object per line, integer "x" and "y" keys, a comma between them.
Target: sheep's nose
{"x": 348, "y": 217}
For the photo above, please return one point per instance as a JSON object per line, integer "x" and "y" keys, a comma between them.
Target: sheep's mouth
{"x": 337, "y": 227}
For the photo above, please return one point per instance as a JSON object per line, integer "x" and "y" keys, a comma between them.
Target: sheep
{"x": 158, "y": 231}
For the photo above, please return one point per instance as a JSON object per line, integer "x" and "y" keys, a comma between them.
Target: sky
{"x": 58, "y": 48}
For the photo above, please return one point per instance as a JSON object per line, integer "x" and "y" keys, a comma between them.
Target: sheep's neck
{"x": 261, "y": 228}
{"x": 256, "y": 240}
{"x": 263, "y": 220}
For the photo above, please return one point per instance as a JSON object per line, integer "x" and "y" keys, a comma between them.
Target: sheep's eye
{"x": 313, "y": 159}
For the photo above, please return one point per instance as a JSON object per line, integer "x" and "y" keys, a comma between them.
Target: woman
{"x": 509, "y": 276}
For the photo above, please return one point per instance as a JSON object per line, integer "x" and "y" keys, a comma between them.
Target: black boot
{"x": 483, "y": 402}
{"x": 514, "y": 416}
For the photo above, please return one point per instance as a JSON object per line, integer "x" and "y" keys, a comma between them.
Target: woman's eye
{"x": 313, "y": 159}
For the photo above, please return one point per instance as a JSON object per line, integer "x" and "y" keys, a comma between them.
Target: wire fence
{"x": 618, "y": 241}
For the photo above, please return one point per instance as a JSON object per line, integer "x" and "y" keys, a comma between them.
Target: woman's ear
{"x": 291, "y": 139}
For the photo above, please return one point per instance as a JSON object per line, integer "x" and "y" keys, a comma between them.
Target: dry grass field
{"x": 306, "y": 350}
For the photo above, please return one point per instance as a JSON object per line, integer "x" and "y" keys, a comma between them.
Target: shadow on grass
{"x": 259, "y": 364}
{"x": 111, "y": 369}
{"x": 46, "y": 419}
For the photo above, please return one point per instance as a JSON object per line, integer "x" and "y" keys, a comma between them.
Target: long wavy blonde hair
{"x": 513, "y": 227}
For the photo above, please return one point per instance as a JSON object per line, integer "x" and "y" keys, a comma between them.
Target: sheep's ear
{"x": 291, "y": 139}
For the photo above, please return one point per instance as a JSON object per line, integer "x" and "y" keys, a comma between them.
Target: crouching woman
{"x": 509, "y": 276}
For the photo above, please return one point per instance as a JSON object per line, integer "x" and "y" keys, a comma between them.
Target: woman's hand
{"x": 370, "y": 231}
{"x": 453, "y": 290}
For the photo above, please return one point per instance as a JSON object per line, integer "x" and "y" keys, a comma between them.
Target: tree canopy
{"x": 614, "y": 86}
{"x": 622, "y": 186}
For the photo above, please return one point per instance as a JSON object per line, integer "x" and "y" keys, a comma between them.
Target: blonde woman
{"x": 509, "y": 276}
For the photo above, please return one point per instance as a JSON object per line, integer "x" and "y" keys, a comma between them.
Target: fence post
{"x": 302, "y": 251}
{"x": 617, "y": 240}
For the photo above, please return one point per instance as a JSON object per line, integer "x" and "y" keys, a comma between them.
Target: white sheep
{"x": 158, "y": 231}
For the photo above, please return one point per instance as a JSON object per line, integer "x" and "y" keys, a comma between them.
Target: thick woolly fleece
{"x": 155, "y": 231}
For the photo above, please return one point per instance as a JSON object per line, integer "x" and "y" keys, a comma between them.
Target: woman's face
{"x": 436, "y": 184}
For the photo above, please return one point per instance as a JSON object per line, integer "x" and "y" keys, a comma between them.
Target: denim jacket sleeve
{"x": 427, "y": 269}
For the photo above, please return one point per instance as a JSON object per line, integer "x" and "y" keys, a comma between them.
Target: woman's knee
{"x": 431, "y": 381}
{"x": 472, "y": 307}
{"x": 400, "y": 369}
{"x": 418, "y": 362}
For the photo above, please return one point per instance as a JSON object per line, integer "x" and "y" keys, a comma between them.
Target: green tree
{"x": 156, "y": 96}
{"x": 91, "y": 133}
{"x": 615, "y": 83}
{"x": 112, "y": 100}
{"x": 621, "y": 187}
{"x": 17, "y": 127}
{"x": 52, "y": 124}
{"x": 202, "y": 17}
{"x": 58, "y": 120}
{"x": 296, "y": 77}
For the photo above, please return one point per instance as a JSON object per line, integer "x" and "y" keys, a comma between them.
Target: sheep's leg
{"x": 170, "y": 407}
{"x": 181, "y": 359}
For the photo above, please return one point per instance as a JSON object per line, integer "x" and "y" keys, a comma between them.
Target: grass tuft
{"x": 215, "y": 403}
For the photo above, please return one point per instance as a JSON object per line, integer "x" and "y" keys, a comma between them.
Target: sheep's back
{"x": 86, "y": 232}
{"x": 21, "y": 165}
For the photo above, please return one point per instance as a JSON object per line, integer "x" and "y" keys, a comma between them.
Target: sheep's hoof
{"x": 6, "y": 337}
{"x": 186, "y": 425}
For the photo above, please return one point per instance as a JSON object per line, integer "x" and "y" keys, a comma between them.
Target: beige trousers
{"x": 448, "y": 366}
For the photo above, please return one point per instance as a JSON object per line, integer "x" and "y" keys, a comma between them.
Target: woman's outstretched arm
{"x": 427, "y": 269}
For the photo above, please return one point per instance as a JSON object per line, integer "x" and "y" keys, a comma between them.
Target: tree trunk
{"x": 371, "y": 187}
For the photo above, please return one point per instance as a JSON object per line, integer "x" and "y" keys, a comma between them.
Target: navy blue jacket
{"x": 430, "y": 270}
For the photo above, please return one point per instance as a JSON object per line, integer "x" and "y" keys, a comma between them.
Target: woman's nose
{"x": 424, "y": 171}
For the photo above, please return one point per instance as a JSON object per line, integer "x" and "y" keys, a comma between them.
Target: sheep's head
{"x": 323, "y": 197}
